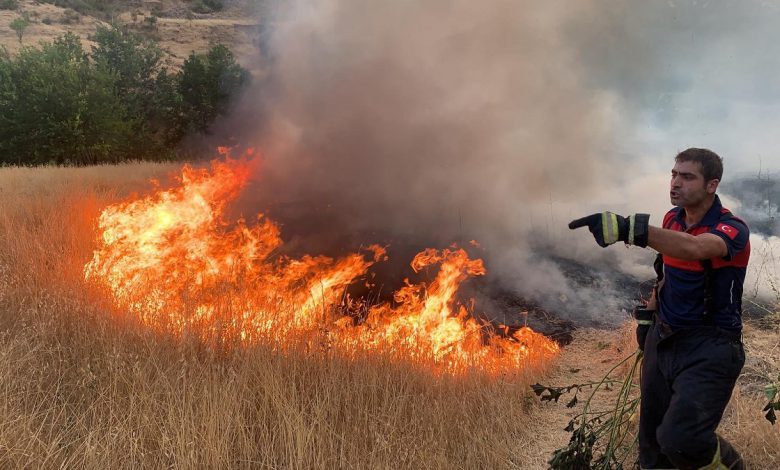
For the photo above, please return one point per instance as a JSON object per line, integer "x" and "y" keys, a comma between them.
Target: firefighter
{"x": 692, "y": 342}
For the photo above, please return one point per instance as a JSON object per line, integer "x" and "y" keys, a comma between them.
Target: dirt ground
{"x": 236, "y": 26}
{"x": 594, "y": 352}
{"x": 591, "y": 354}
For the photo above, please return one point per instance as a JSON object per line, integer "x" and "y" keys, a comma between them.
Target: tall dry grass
{"x": 82, "y": 385}
{"x": 756, "y": 439}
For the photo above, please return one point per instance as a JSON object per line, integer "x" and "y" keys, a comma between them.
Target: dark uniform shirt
{"x": 682, "y": 297}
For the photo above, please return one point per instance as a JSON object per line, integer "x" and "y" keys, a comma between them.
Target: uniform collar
{"x": 710, "y": 218}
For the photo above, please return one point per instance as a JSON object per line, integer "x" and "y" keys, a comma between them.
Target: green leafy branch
{"x": 772, "y": 392}
{"x": 599, "y": 438}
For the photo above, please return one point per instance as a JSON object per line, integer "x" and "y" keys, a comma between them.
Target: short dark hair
{"x": 711, "y": 163}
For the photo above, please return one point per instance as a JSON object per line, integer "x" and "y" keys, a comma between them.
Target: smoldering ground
{"x": 426, "y": 123}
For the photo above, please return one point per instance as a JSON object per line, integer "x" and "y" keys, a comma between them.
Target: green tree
{"x": 208, "y": 85}
{"x": 7, "y": 95}
{"x": 143, "y": 84}
{"x": 61, "y": 104}
{"x": 56, "y": 107}
{"x": 19, "y": 24}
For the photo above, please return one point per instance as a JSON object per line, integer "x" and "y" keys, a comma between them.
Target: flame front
{"x": 173, "y": 260}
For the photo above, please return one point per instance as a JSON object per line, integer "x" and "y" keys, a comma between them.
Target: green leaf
{"x": 770, "y": 391}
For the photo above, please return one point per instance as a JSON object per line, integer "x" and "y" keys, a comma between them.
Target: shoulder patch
{"x": 728, "y": 230}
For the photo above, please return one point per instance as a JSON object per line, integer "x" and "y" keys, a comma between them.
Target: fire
{"x": 173, "y": 260}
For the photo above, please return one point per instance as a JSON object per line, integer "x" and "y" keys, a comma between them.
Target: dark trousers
{"x": 687, "y": 380}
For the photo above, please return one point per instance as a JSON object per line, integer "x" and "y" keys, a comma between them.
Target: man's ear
{"x": 712, "y": 186}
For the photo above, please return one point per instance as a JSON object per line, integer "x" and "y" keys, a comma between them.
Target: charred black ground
{"x": 324, "y": 228}
{"x": 329, "y": 229}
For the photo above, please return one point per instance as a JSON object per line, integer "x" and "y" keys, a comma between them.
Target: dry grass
{"x": 593, "y": 352}
{"x": 82, "y": 385}
{"x": 756, "y": 439}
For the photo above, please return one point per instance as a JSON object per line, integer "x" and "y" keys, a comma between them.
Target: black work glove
{"x": 644, "y": 320}
{"x": 608, "y": 228}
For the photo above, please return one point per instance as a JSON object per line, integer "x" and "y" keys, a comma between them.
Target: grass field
{"x": 84, "y": 385}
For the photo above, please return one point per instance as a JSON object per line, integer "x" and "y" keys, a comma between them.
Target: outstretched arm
{"x": 686, "y": 246}
{"x": 608, "y": 228}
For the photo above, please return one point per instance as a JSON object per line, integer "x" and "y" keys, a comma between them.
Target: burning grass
{"x": 172, "y": 259}
{"x": 87, "y": 380}
{"x": 84, "y": 383}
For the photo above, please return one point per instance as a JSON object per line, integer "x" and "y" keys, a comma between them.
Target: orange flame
{"x": 173, "y": 260}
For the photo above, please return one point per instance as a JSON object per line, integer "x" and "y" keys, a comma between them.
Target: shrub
{"x": 9, "y": 4}
{"x": 19, "y": 24}
{"x": 70, "y": 16}
{"x": 150, "y": 22}
{"x": 207, "y": 6}
{"x": 86, "y": 6}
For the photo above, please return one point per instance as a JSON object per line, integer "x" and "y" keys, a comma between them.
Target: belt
{"x": 665, "y": 330}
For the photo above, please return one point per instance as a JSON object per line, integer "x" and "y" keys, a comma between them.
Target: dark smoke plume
{"x": 426, "y": 123}
{"x": 421, "y": 123}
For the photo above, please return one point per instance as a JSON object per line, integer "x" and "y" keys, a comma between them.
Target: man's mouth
{"x": 674, "y": 194}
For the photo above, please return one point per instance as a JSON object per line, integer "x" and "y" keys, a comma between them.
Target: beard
{"x": 688, "y": 198}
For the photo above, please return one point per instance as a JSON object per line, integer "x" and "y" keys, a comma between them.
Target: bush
{"x": 9, "y": 4}
{"x": 19, "y": 24}
{"x": 215, "y": 5}
{"x": 86, "y": 6}
{"x": 207, "y": 6}
{"x": 70, "y": 16}
{"x": 150, "y": 22}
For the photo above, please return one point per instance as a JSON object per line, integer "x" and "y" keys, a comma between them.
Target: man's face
{"x": 688, "y": 187}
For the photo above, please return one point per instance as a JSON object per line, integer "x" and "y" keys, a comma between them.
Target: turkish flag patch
{"x": 730, "y": 231}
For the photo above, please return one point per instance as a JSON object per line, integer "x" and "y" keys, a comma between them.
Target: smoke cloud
{"x": 427, "y": 122}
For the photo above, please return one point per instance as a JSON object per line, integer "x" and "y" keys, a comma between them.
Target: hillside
{"x": 179, "y": 30}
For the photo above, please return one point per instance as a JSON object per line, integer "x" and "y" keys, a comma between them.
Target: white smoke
{"x": 502, "y": 120}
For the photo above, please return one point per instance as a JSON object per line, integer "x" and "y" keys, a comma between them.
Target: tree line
{"x": 62, "y": 104}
